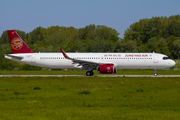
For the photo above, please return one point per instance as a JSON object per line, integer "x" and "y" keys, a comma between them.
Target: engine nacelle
{"x": 106, "y": 69}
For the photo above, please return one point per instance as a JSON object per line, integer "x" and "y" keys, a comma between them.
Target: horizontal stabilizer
{"x": 16, "y": 57}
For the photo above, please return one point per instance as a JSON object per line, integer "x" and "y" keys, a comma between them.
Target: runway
{"x": 89, "y": 76}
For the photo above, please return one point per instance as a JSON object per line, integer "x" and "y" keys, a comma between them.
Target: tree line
{"x": 158, "y": 34}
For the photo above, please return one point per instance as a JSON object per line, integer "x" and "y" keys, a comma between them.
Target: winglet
{"x": 64, "y": 54}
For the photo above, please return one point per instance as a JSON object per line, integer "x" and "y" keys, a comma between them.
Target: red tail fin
{"x": 17, "y": 44}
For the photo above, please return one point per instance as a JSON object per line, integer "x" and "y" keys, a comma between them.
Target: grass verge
{"x": 97, "y": 98}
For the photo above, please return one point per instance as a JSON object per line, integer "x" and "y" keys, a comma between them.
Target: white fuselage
{"x": 120, "y": 60}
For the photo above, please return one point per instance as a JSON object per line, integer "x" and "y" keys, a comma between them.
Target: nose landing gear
{"x": 155, "y": 74}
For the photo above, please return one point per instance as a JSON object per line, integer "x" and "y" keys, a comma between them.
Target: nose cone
{"x": 173, "y": 63}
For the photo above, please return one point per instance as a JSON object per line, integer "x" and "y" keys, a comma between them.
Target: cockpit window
{"x": 165, "y": 58}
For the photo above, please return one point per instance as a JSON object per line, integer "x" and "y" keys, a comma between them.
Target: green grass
{"x": 96, "y": 98}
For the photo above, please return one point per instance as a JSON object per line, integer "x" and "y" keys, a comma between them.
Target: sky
{"x": 26, "y": 15}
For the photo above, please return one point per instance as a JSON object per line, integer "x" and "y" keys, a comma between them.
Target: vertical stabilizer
{"x": 17, "y": 44}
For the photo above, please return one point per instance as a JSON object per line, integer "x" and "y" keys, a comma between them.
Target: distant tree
{"x": 35, "y": 35}
{"x": 92, "y": 32}
{"x": 173, "y": 28}
{"x": 4, "y": 38}
{"x": 150, "y": 45}
{"x": 89, "y": 32}
{"x": 175, "y": 52}
{"x": 158, "y": 27}
{"x": 113, "y": 38}
{"x": 129, "y": 46}
{"x": 104, "y": 33}
{"x": 162, "y": 46}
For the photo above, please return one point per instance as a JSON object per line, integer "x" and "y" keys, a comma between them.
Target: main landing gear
{"x": 155, "y": 74}
{"x": 89, "y": 73}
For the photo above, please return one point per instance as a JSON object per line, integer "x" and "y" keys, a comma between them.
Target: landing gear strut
{"x": 155, "y": 74}
{"x": 89, "y": 73}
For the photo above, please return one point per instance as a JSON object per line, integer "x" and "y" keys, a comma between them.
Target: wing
{"x": 84, "y": 64}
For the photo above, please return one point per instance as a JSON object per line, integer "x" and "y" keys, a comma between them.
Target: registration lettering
{"x": 112, "y": 55}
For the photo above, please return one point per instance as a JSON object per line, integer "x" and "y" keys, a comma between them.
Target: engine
{"x": 106, "y": 69}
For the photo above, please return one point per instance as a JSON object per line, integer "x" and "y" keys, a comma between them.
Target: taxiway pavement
{"x": 89, "y": 76}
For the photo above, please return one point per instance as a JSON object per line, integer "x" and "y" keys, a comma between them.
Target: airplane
{"x": 105, "y": 63}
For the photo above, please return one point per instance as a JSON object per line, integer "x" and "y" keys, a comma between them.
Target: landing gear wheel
{"x": 92, "y": 73}
{"x": 89, "y": 73}
{"x": 155, "y": 74}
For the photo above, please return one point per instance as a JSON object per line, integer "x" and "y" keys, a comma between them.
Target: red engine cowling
{"x": 106, "y": 69}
